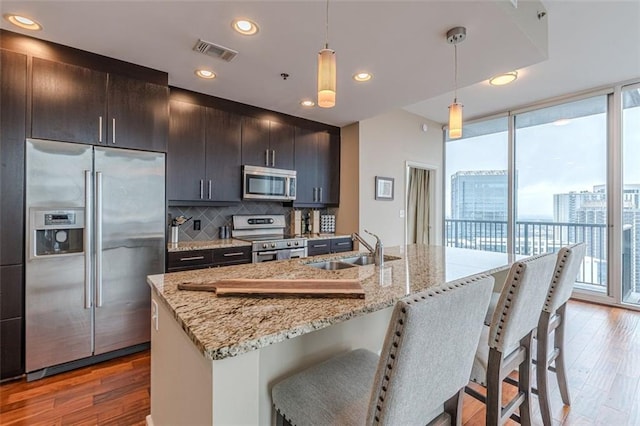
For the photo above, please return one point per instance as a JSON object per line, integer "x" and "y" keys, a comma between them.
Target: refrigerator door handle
{"x": 88, "y": 196}
{"x": 98, "y": 239}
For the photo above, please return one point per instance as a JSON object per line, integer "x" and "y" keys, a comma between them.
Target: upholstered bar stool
{"x": 422, "y": 370}
{"x": 506, "y": 345}
{"x": 553, "y": 320}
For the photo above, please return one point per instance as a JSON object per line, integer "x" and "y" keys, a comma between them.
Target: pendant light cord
{"x": 455, "y": 73}
{"x": 326, "y": 39}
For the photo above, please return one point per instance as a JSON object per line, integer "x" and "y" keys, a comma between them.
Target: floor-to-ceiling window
{"x": 476, "y": 187}
{"x": 631, "y": 194}
{"x": 561, "y": 183}
{"x": 573, "y": 170}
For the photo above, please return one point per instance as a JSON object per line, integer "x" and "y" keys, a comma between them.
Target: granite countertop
{"x": 232, "y": 242}
{"x": 230, "y": 326}
{"x": 205, "y": 245}
{"x": 325, "y": 236}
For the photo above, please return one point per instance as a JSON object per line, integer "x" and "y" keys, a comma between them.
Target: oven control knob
{"x": 273, "y": 245}
{"x": 297, "y": 243}
{"x": 289, "y": 244}
{"x": 265, "y": 245}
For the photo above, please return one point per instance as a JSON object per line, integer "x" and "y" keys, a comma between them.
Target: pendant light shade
{"x": 455, "y": 120}
{"x": 326, "y": 78}
{"x": 327, "y": 71}
{"x": 455, "y": 36}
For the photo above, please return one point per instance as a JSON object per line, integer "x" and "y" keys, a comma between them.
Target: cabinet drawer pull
{"x": 235, "y": 253}
{"x": 319, "y": 245}
{"x": 345, "y": 243}
{"x": 184, "y": 259}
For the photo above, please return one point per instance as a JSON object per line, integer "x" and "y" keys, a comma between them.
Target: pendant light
{"x": 455, "y": 36}
{"x": 327, "y": 71}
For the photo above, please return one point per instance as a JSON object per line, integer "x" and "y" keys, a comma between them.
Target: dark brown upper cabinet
{"x": 267, "y": 143}
{"x": 317, "y": 162}
{"x": 186, "y": 155}
{"x": 77, "y": 104}
{"x": 224, "y": 155}
{"x": 203, "y": 162}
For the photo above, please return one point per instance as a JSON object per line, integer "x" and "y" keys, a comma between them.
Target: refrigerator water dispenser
{"x": 57, "y": 232}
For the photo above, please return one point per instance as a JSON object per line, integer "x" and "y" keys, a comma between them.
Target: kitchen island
{"x": 214, "y": 360}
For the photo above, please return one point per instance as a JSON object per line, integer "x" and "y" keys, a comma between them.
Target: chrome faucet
{"x": 377, "y": 252}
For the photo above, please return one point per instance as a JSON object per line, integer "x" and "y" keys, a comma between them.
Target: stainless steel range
{"x": 266, "y": 233}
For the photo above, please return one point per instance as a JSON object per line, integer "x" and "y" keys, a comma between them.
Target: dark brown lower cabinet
{"x": 200, "y": 259}
{"x": 11, "y": 359}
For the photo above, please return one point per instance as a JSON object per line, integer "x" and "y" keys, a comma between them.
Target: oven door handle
{"x": 266, "y": 253}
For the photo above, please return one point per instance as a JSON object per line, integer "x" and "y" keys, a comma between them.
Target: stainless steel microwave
{"x": 265, "y": 183}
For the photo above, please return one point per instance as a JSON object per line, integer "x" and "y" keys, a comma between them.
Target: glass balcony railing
{"x": 533, "y": 238}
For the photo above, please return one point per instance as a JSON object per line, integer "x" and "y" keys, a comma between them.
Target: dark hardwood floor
{"x": 603, "y": 355}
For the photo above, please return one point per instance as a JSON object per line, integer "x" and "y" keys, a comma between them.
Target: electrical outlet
{"x": 401, "y": 213}
{"x": 196, "y": 225}
{"x": 154, "y": 314}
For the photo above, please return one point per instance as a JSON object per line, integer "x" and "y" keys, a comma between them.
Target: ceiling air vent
{"x": 215, "y": 50}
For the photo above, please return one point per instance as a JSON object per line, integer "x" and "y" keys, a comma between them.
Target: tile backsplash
{"x": 211, "y": 218}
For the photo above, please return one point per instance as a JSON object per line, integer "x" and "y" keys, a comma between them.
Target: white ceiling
{"x": 402, "y": 43}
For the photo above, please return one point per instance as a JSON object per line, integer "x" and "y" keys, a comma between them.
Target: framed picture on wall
{"x": 384, "y": 188}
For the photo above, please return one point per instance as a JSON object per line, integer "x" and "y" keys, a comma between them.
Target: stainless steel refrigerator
{"x": 95, "y": 228}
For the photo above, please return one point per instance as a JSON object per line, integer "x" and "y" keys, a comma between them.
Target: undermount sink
{"x": 349, "y": 262}
{"x": 359, "y": 260}
{"x": 331, "y": 265}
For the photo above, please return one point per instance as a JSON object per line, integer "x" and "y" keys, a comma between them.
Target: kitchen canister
{"x": 174, "y": 235}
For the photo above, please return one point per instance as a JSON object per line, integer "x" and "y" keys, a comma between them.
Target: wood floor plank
{"x": 602, "y": 354}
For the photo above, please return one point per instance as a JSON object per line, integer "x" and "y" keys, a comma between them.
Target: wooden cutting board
{"x": 279, "y": 287}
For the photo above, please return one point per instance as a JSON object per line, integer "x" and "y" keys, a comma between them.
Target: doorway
{"x": 420, "y": 185}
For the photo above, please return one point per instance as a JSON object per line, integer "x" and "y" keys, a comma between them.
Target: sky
{"x": 550, "y": 159}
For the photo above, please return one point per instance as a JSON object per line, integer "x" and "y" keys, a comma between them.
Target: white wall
{"x": 386, "y": 143}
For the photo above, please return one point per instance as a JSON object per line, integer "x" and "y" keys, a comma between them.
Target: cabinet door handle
{"x": 209, "y": 191}
{"x": 273, "y": 158}
{"x": 266, "y": 157}
{"x": 315, "y": 192}
{"x": 320, "y": 196}
{"x": 113, "y": 131}
{"x": 100, "y": 129}
{"x": 201, "y": 189}
{"x": 184, "y": 259}
{"x": 236, "y": 253}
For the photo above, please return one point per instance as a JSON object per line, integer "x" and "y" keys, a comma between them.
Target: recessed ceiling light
{"x": 502, "y": 79}
{"x": 307, "y": 103}
{"x": 206, "y": 74}
{"x": 245, "y": 26}
{"x": 362, "y": 76}
{"x": 23, "y": 22}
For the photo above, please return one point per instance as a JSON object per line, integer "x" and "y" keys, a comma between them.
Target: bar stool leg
{"x": 524, "y": 381}
{"x": 561, "y": 372}
{"x": 494, "y": 389}
{"x": 542, "y": 367}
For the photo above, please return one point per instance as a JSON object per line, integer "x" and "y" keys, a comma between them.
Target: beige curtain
{"x": 418, "y": 207}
